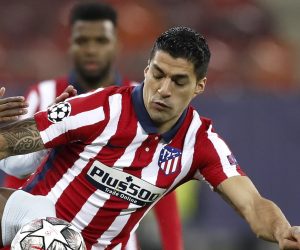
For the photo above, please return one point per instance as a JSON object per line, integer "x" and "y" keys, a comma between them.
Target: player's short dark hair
{"x": 93, "y": 11}
{"x": 183, "y": 42}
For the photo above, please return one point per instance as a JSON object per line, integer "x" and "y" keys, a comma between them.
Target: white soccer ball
{"x": 48, "y": 234}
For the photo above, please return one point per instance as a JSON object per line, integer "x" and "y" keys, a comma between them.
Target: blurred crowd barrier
{"x": 252, "y": 92}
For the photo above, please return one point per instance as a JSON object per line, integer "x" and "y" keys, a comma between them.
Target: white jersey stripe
{"x": 47, "y": 91}
{"x": 132, "y": 242}
{"x": 72, "y": 172}
{"x": 223, "y": 151}
{"x": 163, "y": 165}
{"x": 116, "y": 227}
{"x": 151, "y": 171}
{"x": 126, "y": 159}
{"x": 169, "y": 162}
{"x": 73, "y": 122}
{"x": 85, "y": 95}
{"x": 175, "y": 164}
{"x": 89, "y": 208}
{"x": 90, "y": 150}
{"x": 32, "y": 99}
{"x": 119, "y": 247}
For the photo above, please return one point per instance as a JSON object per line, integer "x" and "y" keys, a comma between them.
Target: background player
{"x": 93, "y": 48}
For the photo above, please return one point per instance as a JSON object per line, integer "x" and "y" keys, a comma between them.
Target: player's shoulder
{"x": 201, "y": 123}
{"x": 59, "y": 82}
{"x": 123, "y": 90}
{"x": 102, "y": 94}
{"x": 50, "y": 87}
{"x": 205, "y": 121}
{"x": 127, "y": 82}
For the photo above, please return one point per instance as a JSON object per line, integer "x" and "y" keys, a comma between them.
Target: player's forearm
{"x": 266, "y": 220}
{"x": 21, "y": 137}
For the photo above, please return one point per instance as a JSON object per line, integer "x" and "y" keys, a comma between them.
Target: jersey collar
{"x": 74, "y": 81}
{"x": 145, "y": 119}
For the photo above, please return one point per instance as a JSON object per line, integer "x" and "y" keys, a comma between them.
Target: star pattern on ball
{"x": 59, "y": 109}
{"x": 51, "y": 232}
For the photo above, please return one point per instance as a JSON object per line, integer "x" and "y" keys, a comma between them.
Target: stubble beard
{"x": 94, "y": 80}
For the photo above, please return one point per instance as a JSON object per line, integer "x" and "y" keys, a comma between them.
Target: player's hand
{"x": 11, "y": 107}
{"x": 290, "y": 240}
{"x": 68, "y": 92}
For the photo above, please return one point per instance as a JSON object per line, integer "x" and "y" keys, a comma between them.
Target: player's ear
{"x": 118, "y": 46}
{"x": 146, "y": 70}
{"x": 70, "y": 51}
{"x": 200, "y": 86}
{"x": 70, "y": 40}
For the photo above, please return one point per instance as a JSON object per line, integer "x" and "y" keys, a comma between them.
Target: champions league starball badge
{"x": 59, "y": 111}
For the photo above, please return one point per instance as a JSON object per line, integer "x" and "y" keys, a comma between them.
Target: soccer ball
{"x": 48, "y": 234}
{"x": 59, "y": 111}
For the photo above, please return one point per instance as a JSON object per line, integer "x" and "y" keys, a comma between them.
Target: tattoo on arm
{"x": 21, "y": 137}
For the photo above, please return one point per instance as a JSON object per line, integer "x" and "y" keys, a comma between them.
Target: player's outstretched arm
{"x": 21, "y": 137}
{"x": 264, "y": 217}
{"x": 11, "y": 107}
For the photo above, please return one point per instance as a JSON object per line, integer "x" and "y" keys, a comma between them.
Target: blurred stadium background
{"x": 253, "y": 91}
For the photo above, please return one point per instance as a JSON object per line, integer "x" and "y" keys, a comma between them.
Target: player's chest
{"x": 149, "y": 159}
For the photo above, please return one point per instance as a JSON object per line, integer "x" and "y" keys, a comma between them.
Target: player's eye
{"x": 157, "y": 76}
{"x": 179, "y": 83}
{"x": 80, "y": 40}
{"x": 102, "y": 40}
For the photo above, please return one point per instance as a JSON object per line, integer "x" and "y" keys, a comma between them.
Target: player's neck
{"x": 104, "y": 82}
{"x": 166, "y": 126}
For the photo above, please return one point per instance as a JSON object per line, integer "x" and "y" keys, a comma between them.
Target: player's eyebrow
{"x": 155, "y": 66}
{"x": 176, "y": 76}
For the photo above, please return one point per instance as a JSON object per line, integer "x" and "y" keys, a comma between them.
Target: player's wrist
{"x": 281, "y": 232}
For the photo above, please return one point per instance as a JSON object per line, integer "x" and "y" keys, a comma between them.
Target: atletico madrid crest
{"x": 169, "y": 159}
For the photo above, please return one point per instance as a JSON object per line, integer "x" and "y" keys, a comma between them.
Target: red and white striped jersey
{"x": 109, "y": 164}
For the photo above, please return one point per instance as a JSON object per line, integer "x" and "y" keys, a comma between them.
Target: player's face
{"x": 170, "y": 84}
{"x": 93, "y": 48}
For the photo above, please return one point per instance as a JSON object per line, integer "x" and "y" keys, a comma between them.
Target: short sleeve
{"x": 76, "y": 119}
{"x": 215, "y": 160}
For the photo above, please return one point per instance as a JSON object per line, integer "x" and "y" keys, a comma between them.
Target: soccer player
{"x": 117, "y": 151}
{"x": 93, "y": 50}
